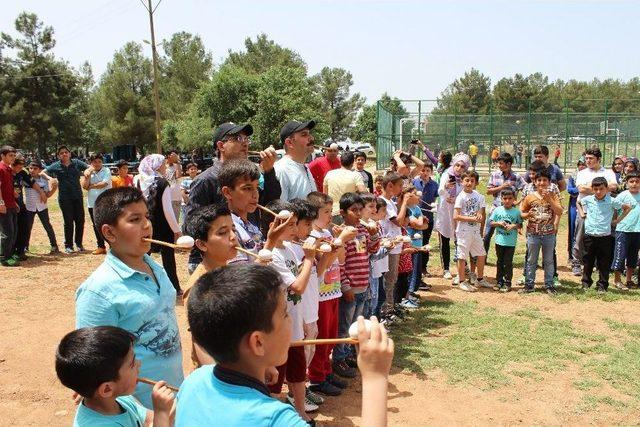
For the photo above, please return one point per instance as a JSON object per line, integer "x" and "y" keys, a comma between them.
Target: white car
{"x": 368, "y": 150}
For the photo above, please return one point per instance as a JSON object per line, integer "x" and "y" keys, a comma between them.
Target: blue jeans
{"x": 348, "y": 312}
{"x": 415, "y": 278}
{"x": 382, "y": 297}
{"x": 372, "y": 301}
{"x": 534, "y": 243}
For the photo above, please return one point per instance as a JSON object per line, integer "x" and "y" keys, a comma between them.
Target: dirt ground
{"x": 37, "y": 309}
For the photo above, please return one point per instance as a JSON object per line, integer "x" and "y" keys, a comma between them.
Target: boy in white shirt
{"x": 469, "y": 214}
{"x": 35, "y": 206}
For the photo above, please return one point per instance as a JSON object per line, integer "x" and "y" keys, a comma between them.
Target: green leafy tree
{"x": 470, "y": 93}
{"x": 262, "y": 54}
{"x": 365, "y": 125}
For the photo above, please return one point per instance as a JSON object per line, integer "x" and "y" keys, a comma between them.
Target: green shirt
{"x": 68, "y": 178}
{"x": 510, "y": 216}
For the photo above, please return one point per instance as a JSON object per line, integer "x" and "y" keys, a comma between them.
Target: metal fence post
{"x": 606, "y": 132}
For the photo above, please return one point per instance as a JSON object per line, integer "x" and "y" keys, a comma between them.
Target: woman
{"x": 449, "y": 188}
{"x": 444, "y": 162}
{"x": 157, "y": 192}
{"x": 617, "y": 167}
{"x": 630, "y": 165}
{"x": 572, "y": 189}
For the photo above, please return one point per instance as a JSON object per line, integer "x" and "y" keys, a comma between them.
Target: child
{"x": 417, "y": 224}
{"x": 35, "y": 206}
{"x": 505, "y": 220}
{"x": 429, "y": 189}
{"x": 369, "y": 213}
{"x": 379, "y": 262}
{"x": 378, "y": 183}
{"x": 627, "y": 237}
{"x": 572, "y": 212}
{"x": 96, "y": 180}
{"x": 99, "y": 364}
{"x": 405, "y": 267}
{"x": 122, "y": 179}
{"x": 469, "y": 216}
{"x": 321, "y": 377}
{"x": 131, "y": 291}
{"x": 238, "y": 314}
{"x": 542, "y": 209}
{"x": 185, "y": 187}
{"x": 23, "y": 180}
{"x": 361, "y": 162}
{"x": 354, "y": 276}
{"x": 598, "y": 211}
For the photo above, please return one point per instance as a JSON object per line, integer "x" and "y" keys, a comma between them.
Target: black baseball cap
{"x": 294, "y": 126}
{"x": 231, "y": 129}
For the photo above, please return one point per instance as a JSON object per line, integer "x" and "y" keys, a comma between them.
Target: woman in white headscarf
{"x": 450, "y": 187}
{"x": 157, "y": 192}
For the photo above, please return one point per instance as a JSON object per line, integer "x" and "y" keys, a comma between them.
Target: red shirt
{"x": 319, "y": 168}
{"x": 354, "y": 273}
{"x": 6, "y": 186}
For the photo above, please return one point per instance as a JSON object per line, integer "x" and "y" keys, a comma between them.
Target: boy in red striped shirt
{"x": 354, "y": 276}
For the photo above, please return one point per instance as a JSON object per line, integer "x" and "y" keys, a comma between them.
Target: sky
{"x": 409, "y": 49}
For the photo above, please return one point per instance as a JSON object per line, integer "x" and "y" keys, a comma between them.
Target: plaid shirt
{"x": 497, "y": 178}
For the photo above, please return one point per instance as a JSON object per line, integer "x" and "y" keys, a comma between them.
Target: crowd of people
{"x": 249, "y": 316}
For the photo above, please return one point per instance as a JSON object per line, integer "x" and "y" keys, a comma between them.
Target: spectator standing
{"x": 173, "y": 173}
{"x": 473, "y": 154}
{"x": 295, "y": 177}
{"x": 8, "y": 208}
{"x": 321, "y": 165}
{"x": 96, "y": 180}
{"x": 35, "y": 205}
{"x": 341, "y": 181}
{"x": 361, "y": 162}
{"x": 122, "y": 179}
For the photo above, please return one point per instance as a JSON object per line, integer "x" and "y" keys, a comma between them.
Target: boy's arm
{"x": 458, "y": 217}
{"x": 373, "y": 243}
{"x": 625, "y": 210}
{"x": 402, "y": 219}
{"x": 300, "y": 284}
{"x": 164, "y": 401}
{"x": 52, "y": 191}
{"x": 524, "y": 210}
{"x": 484, "y": 220}
{"x": 581, "y": 210}
{"x": 556, "y": 206}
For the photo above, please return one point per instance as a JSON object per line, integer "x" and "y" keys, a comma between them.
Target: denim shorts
{"x": 625, "y": 250}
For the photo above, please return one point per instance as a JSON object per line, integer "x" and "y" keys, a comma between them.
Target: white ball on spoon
{"x": 265, "y": 255}
{"x": 185, "y": 241}
{"x": 284, "y": 214}
{"x": 353, "y": 329}
{"x": 325, "y": 247}
{"x": 417, "y": 236}
{"x": 337, "y": 242}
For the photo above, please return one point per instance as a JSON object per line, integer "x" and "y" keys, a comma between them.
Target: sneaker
{"x": 99, "y": 251}
{"x": 497, "y": 287}
{"x": 456, "y": 281}
{"x": 466, "y": 286}
{"x": 309, "y": 406}
{"x": 447, "y": 275}
{"x": 522, "y": 280}
{"x": 424, "y": 287}
{"x": 576, "y": 270}
{"x": 54, "y": 250}
{"x": 505, "y": 289}
{"x": 484, "y": 284}
{"x": 10, "y": 263}
{"x": 526, "y": 290}
{"x": 552, "y": 291}
{"x": 341, "y": 368}
{"x": 408, "y": 304}
{"x": 68, "y": 250}
{"x": 313, "y": 398}
{"x": 620, "y": 286}
{"x": 473, "y": 277}
{"x": 325, "y": 388}
{"x": 20, "y": 257}
{"x": 414, "y": 296}
{"x": 601, "y": 291}
{"x": 337, "y": 381}
{"x": 81, "y": 249}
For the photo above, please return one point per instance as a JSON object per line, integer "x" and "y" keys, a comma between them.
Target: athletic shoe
{"x": 601, "y": 291}
{"x": 99, "y": 251}
{"x": 456, "y": 281}
{"x": 505, "y": 289}
{"x": 466, "y": 286}
{"x": 620, "y": 286}
{"x": 522, "y": 280}
{"x": 552, "y": 291}
{"x": 576, "y": 270}
{"x": 314, "y": 398}
{"x": 21, "y": 257}
{"x": 54, "y": 250}
{"x": 526, "y": 290}
{"x": 497, "y": 287}
{"x": 484, "y": 284}
{"x": 341, "y": 368}
{"x": 309, "y": 406}
{"x": 424, "y": 287}
{"x": 325, "y": 388}
{"x": 68, "y": 250}
{"x": 414, "y": 296}
{"x": 473, "y": 277}
{"x": 337, "y": 381}
{"x": 408, "y": 304}
{"x": 9, "y": 263}
{"x": 81, "y": 249}
{"x": 447, "y": 275}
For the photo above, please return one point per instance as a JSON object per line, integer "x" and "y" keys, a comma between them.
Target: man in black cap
{"x": 295, "y": 177}
{"x": 231, "y": 141}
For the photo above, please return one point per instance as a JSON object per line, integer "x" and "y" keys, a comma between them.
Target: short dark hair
{"x": 304, "y": 209}
{"x": 95, "y": 156}
{"x": 191, "y": 165}
{"x": 349, "y": 199}
{"x": 541, "y": 149}
{"x": 111, "y": 203}
{"x": 122, "y": 163}
{"x": 508, "y": 192}
{"x": 198, "y": 223}
{"x": 62, "y": 147}
{"x": 228, "y": 303}
{"x": 390, "y": 178}
{"x": 593, "y": 151}
{"x": 447, "y": 157}
{"x": 18, "y": 161}
{"x": 378, "y": 178}
{"x": 536, "y": 165}
{"x": 367, "y": 197}
{"x": 505, "y": 157}
{"x": 319, "y": 199}
{"x": 357, "y": 154}
{"x": 6, "y": 149}
{"x": 380, "y": 203}
{"x": 346, "y": 159}
{"x": 36, "y": 164}
{"x": 543, "y": 173}
{"x": 172, "y": 150}
{"x": 232, "y": 170}
{"x": 598, "y": 181}
{"x": 428, "y": 165}
{"x": 471, "y": 174}
{"x": 88, "y": 357}
{"x": 633, "y": 174}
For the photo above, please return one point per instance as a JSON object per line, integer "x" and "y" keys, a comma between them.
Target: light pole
{"x": 156, "y": 95}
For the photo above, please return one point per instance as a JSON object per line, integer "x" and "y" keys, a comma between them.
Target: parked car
{"x": 367, "y": 149}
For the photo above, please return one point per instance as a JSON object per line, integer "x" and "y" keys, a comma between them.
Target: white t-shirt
{"x": 469, "y": 204}
{"x": 286, "y": 264}
{"x": 311, "y": 295}
{"x": 339, "y": 182}
{"x": 585, "y": 176}
{"x": 170, "y": 175}
{"x": 389, "y": 229}
{"x": 329, "y": 284}
{"x": 295, "y": 179}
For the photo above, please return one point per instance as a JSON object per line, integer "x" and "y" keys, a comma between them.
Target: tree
{"x": 264, "y": 54}
{"x": 339, "y": 108}
{"x": 470, "y": 93}
{"x": 365, "y": 127}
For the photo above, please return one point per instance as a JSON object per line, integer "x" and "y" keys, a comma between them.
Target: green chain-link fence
{"x": 614, "y": 127}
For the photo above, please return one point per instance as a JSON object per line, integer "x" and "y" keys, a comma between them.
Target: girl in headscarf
{"x": 572, "y": 189}
{"x": 449, "y": 188}
{"x": 157, "y": 192}
{"x": 617, "y": 167}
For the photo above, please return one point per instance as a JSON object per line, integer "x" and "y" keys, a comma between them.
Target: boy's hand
{"x": 583, "y": 215}
{"x": 162, "y": 399}
{"x": 348, "y": 296}
{"x": 271, "y": 375}
{"x": 277, "y": 227}
{"x": 375, "y": 350}
{"x": 479, "y": 217}
{"x": 309, "y": 248}
{"x": 346, "y": 235}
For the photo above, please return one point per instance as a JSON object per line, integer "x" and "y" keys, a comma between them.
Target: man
{"x": 68, "y": 172}
{"x": 473, "y": 153}
{"x": 584, "y": 178}
{"x": 330, "y": 161}
{"x": 8, "y": 208}
{"x": 341, "y": 181}
{"x": 231, "y": 142}
{"x": 294, "y": 176}
{"x": 541, "y": 152}
{"x": 500, "y": 180}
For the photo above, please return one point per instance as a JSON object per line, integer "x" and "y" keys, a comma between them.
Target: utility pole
{"x": 154, "y": 54}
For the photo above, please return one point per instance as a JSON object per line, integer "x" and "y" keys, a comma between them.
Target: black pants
{"x": 504, "y": 265}
{"x": 46, "y": 223}
{"x": 426, "y": 236}
{"x": 8, "y": 231}
{"x": 22, "y": 242}
{"x": 73, "y": 217}
{"x": 99, "y": 237}
{"x": 598, "y": 251}
{"x": 401, "y": 288}
{"x": 169, "y": 264}
{"x": 445, "y": 251}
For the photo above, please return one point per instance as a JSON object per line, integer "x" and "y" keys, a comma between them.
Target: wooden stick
{"x": 152, "y": 383}
{"x": 244, "y": 251}
{"x": 254, "y": 152}
{"x": 267, "y": 210}
{"x": 324, "y": 342}
{"x": 163, "y": 243}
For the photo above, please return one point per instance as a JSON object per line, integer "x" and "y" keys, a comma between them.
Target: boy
{"x": 8, "y": 208}
{"x": 99, "y": 364}
{"x": 96, "y": 180}
{"x": 321, "y": 377}
{"x": 627, "y": 237}
{"x": 238, "y": 314}
{"x": 361, "y": 162}
{"x": 598, "y": 211}
{"x": 417, "y": 224}
{"x": 35, "y": 205}
{"x": 379, "y": 262}
{"x": 469, "y": 215}
{"x": 378, "y": 184}
{"x": 354, "y": 276}
{"x": 542, "y": 209}
{"x": 122, "y": 179}
{"x": 429, "y": 189}
{"x": 506, "y": 220}
{"x": 185, "y": 187}
{"x": 131, "y": 291}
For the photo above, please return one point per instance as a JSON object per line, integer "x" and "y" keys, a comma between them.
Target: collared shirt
{"x": 498, "y": 178}
{"x": 599, "y": 214}
{"x": 68, "y": 178}
{"x": 133, "y": 415}
{"x": 103, "y": 175}
{"x": 32, "y": 201}
{"x": 117, "y": 295}
{"x": 249, "y": 237}
{"x": 295, "y": 179}
{"x": 585, "y": 177}
{"x": 631, "y": 222}
{"x": 6, "y": 186}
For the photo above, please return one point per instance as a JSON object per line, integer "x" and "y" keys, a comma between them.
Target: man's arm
{"x": 272, "y": 189}
{"x": 562, "y": 185}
